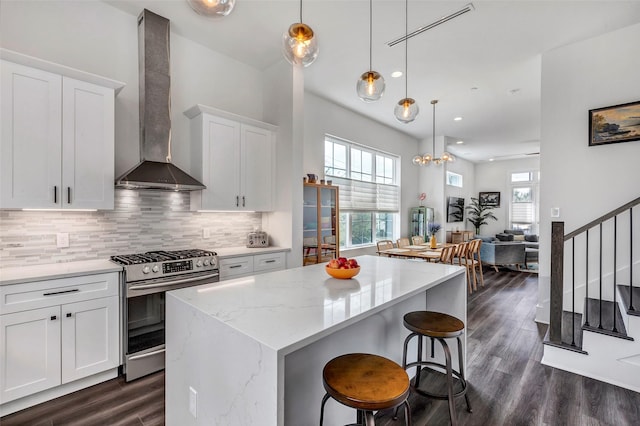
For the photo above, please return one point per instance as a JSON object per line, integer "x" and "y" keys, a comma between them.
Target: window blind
{"x": 522, "y": 212}
{"x": 358, "y": 195}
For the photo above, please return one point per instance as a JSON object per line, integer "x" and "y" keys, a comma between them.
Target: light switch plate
{"x": 62, "y": 239}
{"x": 555, "y": 211}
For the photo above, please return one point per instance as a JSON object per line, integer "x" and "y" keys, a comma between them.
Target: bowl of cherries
{"x": 343, "y": 268}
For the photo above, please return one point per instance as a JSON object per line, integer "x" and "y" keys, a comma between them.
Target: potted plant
{"x": 434, "y": 227}
{"x": 479, "y": 213}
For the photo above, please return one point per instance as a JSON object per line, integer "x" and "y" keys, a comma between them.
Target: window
{"x": 524, "y": 202}
{"x": 454, "y": 179}
{"x": 369, "y": 194}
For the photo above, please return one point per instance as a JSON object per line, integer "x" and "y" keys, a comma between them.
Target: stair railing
{"x": 558, "y": 240}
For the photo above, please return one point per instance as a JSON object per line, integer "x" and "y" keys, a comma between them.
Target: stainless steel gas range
{"x": 146, "y": 278}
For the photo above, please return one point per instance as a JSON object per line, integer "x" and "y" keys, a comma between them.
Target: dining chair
{"x": 384, "y": 245}
{"x": 446, "y": 254}
{"x": 475, "y": 261}
{"x": 460, "y": 257}
{"x": 403, "y": 242}
{"x": 417, "y": 239}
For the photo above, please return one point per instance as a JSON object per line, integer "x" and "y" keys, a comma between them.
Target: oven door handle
{"x": 148, "y": 354}
{"x": 172, "y": 283}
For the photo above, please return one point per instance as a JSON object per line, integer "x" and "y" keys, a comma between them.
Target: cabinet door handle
{"x": 68, "y": 195}
{"x": 235, "y": 266}
{"x": 243, "y": 201}
{"x": 55, "y": 195}
{"x": 53, "y": 317}
{"x": 269, "y": 261}
{"x": 69, "y": 314}
{"x": 237, "y": 201}
{"x": 52, "y": 293}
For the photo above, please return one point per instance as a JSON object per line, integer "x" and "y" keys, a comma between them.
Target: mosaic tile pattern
{"x": 141, "y": 221}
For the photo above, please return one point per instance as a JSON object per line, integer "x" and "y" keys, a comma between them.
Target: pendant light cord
{"x": 301, "y": 11}
{"x": 370, "y": 33}
{"x": 406, "y": 44}
{"x": 434, "y": 128}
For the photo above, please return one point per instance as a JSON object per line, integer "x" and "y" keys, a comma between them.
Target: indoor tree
{"x": 478, "y": 213}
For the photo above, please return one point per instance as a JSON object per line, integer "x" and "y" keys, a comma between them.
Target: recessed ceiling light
{"x": 457, "y": 119}
{"x": 396, "y": 74}
{"x": 460, "y": 142}
{"x": 490, "y": 159}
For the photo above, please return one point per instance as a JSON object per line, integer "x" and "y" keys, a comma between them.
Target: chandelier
{"x": 423, "y": 160}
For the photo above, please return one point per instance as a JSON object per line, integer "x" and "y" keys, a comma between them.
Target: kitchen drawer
{"x": 268, "y": 262}
{"x": 236, "y": 266}
{"x": 39, "y": 294}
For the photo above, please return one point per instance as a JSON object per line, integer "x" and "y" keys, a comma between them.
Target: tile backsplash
{"x": 141, "y": 221}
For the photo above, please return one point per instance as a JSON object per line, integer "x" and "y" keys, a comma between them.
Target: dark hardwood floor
{"x": 507, "y": 383}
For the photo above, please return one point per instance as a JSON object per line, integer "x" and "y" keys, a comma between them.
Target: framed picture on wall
{"x": 618, "y": 123}
{"x": 489, "y": 199}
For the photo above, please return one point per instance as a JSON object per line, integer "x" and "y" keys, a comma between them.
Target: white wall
{"x": 322, "y": 117}
{"x": 585, "y": 182}
{"x": 468, "y": 190}
{"x": 95, "y": 37}
{"x": 494, "y": 177}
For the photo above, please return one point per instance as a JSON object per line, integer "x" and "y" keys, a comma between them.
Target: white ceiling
{"x": 496, "y": 49}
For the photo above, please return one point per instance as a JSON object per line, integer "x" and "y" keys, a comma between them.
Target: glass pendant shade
{"x": 214, "y": 8}
{"x": 300, "y": 45}
{"x": 370, "y": 86}
{"x": 406, "y": 110}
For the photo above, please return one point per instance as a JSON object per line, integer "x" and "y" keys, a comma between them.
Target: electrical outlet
{"x": 62, "y": 239}
{"x": 193, "y": 402}
{"x": 206, "y": 233}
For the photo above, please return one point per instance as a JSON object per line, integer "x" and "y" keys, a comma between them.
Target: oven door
{"x": 144, "y": 334}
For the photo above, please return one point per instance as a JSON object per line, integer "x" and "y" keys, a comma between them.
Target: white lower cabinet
{"x": 30, "y": 352}
{"x": 241, "y": 266}
{"x": 42, "y": 347}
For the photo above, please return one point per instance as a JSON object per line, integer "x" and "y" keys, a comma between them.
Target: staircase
{"x": 594, "y": 327}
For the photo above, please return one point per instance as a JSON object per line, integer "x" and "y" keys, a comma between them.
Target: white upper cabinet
{"x": 234, "y": 157}
{"x": 57, "y": 147}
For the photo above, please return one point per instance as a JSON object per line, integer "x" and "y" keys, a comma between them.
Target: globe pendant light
{"x": 370, "y": 86}
{"x": 423, "y": 160}
{"x": 299, "y": 43}
{"x": 406, "y": 109}
{"x": 213, "y": 8}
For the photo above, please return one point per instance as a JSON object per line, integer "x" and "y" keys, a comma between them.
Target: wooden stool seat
{"x": 437, "y": 326}
{"x": 433, "y": 324}
{"x": 367, "y": 383}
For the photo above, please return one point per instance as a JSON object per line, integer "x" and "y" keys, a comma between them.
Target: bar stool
{"x": 438, "y": 326}
{"x": 367, "y": 383}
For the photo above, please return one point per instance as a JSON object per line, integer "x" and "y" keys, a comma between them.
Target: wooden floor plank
{"x": 507, "y": 383}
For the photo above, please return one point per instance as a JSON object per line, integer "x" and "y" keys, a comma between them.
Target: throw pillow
{"x": 518, "y": 237}
{"x": 531, "y": 238}
{"x": 514, "y": 231}
{"x": 504, "y": 237}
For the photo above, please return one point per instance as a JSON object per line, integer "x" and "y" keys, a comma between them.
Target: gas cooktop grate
{"x": 160, "y": 256}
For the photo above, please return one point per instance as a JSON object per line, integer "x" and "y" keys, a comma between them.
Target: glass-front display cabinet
{"x": 419, "y": 220}
{"x": 320, "y": 239}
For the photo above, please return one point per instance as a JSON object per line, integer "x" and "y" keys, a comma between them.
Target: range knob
{"x": 155, "y": 268}
{"x": 199, "y": 263}
{"x": 206, "y": 262}
{"x": 146, "y": 269}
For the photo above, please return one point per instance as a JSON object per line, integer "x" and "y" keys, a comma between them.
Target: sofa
{"x": 502, "y": 253}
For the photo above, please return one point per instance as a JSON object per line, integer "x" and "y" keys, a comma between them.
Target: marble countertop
{"x": 286, "y": 310}
{"x": 29, "y": 273}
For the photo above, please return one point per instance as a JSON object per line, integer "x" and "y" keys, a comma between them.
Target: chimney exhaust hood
{"x": 155, "y": 170}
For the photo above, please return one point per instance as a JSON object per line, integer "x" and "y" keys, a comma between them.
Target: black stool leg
{"x": 418, "y": 367}
{"x": 324, "y": 401}
{"x": 407, "y": 413}
{"x": 464, "y": 380}
{"x": 452, "y": 403}
{"x": 369, "y": 419}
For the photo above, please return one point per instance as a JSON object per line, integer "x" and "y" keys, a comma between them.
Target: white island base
{"x": 251, "y": 351}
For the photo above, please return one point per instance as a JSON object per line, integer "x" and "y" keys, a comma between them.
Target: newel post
{"x": 557, "y": 286}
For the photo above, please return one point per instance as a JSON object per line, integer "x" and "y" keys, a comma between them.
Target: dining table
{"x": 416, "y": 251}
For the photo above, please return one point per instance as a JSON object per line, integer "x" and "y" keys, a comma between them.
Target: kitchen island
{"x": 250, "y": 351}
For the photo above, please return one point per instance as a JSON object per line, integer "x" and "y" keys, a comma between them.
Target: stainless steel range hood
{"x": 155, "y": 170}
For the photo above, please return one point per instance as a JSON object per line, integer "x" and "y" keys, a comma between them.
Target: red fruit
{"x": 342, "y": 259}
{"x": 353, "y": 263}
